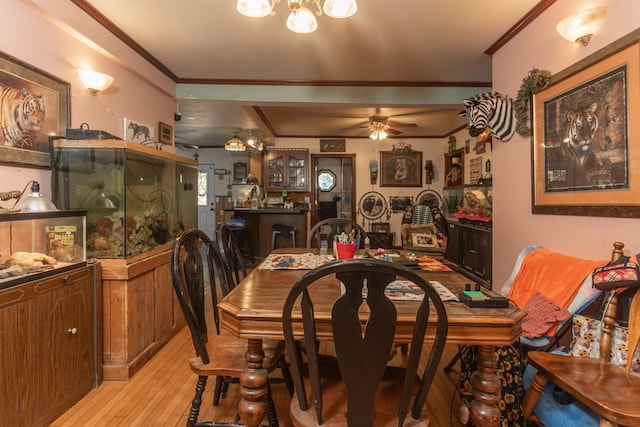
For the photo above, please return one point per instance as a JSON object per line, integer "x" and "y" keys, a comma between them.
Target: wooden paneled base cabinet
{"x": 141, "y": 313}
{"x": 49, "y": 345}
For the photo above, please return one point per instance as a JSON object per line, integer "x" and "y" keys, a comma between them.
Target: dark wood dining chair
{"x": 231, "y": 255}
{"x": 195, "y": 261}
{"x": 357, "y": 387}
{"x": 327, "y": 228}
{"x": 609, "y": 390}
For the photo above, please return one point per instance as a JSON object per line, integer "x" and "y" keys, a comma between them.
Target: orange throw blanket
{"x": 558, "y": 277}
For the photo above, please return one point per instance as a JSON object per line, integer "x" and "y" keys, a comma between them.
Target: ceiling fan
{"x": 379, "y": 126}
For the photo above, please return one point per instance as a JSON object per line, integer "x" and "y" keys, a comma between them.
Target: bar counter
{"x": 260, "y": 221}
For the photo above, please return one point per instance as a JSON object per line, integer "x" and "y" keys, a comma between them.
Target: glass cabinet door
{"x": 297, "y": 172}
{"x": 275, "y": 170}
{"x": 286, "y": 170}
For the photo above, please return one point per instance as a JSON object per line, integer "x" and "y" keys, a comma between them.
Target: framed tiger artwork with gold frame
{"x": 34, "y": 105}
{"x": 586, "y": 136}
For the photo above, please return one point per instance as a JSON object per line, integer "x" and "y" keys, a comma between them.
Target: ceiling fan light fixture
{"x": 340, "y": 8}
{"x": 301, "y": 20}
{"x": 255, "y": 8}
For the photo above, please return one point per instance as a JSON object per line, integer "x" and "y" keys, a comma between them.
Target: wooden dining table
{"x": 253, "y": 311}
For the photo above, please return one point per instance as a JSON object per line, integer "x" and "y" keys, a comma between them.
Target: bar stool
{"x": 282, "y": 229}
{"x": 243, "y": 237}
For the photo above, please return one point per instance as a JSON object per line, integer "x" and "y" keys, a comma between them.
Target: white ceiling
{"x": 389, "y": 51}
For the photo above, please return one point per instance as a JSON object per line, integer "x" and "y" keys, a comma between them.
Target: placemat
{"x": 306, "y": 261}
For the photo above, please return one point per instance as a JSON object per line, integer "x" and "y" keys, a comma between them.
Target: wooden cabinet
{"x": 141, "y": 311}
{"x": 453, "y": 243}
{"x": 49, "y": 345}
{"x": 476, "y": 251}
{"x": 286, "y": 170}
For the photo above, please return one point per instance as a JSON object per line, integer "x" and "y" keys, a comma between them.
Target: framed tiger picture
{"x": 34, "y": 105}
{"x": 585, "y": 138}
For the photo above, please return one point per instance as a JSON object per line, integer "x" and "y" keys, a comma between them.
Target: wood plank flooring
{"x": 160, "y": 394}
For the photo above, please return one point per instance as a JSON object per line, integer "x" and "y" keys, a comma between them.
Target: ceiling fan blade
{"x": 393, "y": 131}
{"x": 401, "y": 125}
{"x": 358, "y": 126}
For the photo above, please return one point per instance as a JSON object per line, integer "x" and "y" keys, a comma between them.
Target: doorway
{"x": 206, "y": 200}
{"x": 333, "y": 186}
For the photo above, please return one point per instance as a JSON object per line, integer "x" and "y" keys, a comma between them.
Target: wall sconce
{"x": 94, "y": 81}
{"x": 580, "y": 27}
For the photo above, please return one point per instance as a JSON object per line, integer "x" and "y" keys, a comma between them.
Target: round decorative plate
{"x": 372, "y": 205}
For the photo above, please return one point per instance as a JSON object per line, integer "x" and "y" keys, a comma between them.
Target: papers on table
{"x": 404, "y": 290}
{"x": 307, "y": 261}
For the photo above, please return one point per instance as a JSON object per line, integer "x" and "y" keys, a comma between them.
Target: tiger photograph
{"x": 585, "y": 140}
{"x": 33, "y": 106}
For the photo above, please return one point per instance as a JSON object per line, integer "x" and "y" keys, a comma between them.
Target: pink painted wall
{"x": 57, "y": 37}
{"x": 515, "y": 227}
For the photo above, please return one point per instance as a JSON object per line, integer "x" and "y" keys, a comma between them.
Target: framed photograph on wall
{"x": 585, "y": 138}
{"x": 26, "y": 140}
{"x": 401, "y": 168}
{"x": 136, "y": 131}
{"x": 166, "y": 133}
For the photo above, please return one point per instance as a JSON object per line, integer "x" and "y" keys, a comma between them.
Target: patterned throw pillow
{"x": 586, "y": 342}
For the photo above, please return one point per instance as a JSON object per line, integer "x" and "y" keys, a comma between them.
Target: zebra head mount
{"x": 490, "y": 111}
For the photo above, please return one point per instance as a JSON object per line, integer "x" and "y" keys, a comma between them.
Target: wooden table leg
{"x": 253, "y": 386}
{"x": 486, "y": 388}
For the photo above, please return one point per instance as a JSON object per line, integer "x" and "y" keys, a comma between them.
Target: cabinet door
{"x": 66, "y": 353}
{"x": 483, "y": 265}
{"x": 275, "y": 171}
{"x": 297, "y": 169}
{"x": 19, "y": 355}
{"x": 453, "y": 244}
{"x": 470, "y": 249}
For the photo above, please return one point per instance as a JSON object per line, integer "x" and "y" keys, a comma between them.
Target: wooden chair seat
{"x": 387, "y": 399}
{"x": 603, "y": 387}
{"x": 609, "y": 390}
{"x": 226, "y": 356}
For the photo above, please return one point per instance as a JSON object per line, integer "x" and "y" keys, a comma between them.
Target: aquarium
{"x": 137, "y": 198}
{"x": 34, "y": 245}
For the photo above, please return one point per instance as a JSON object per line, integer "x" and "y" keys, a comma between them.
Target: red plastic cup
{"x": 345, "y": 250}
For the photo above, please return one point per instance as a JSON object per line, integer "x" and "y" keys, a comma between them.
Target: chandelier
{"x": 235, "y": 144}
{"x": 377, "y": 130}
{"x": 301, "y": 19}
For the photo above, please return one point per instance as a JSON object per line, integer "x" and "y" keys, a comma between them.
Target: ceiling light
{"x": 340, "y": 8}
{"x": 301, "y": 19}
{"x": 377, "y": 130}
{"x": 94, "y": 81}
{"x": 251, "y": 142}
{"x": 580, "y": 27}
{"x": 235, "y": 144}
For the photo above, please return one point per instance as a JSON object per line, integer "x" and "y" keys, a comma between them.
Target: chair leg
{"x": 532, "y": 395}
{"x": 218, "y": 390}
{"x": 286, "y": 375}
{"x": 272, "y": 417}
{"x": 453, "y": 361}
{"x": 197, "y": 401}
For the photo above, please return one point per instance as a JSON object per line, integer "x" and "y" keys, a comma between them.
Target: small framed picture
{"x": 332, "y": 145}
{"x": 166, "y": 133}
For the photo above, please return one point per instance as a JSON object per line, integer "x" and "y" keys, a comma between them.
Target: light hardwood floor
{"x": 160, "y": 395}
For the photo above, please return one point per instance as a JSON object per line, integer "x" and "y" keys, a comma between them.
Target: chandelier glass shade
{"x": 301, "y": 19}
{"x": 235, "y": 144}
